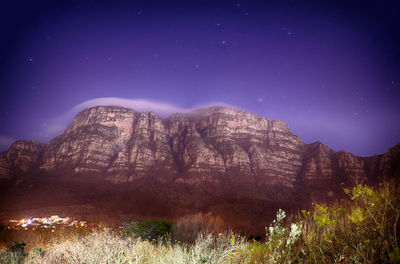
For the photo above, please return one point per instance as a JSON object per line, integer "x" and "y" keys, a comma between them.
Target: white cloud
{"x": 141, "y": 105}
{"x": 163, "y": 109}
{"x": 5, "y": 142}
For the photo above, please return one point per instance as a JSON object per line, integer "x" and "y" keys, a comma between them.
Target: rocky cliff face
{"x": 216, "y": 146}
{"x": 22, "y": 157}
{"x": 207, "y": 145}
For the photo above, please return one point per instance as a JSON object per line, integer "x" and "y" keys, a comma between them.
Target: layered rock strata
{"x": 217, "y": 145}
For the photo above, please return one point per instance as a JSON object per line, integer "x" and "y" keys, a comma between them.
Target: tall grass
{"x": 363, "y": 229}
{"x": 107, "y": 247}
{"x": 188, "y": 228}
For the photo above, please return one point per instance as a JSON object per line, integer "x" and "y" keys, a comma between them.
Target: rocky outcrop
{"x": 91, "y": 141}
{"x": 386, "y": 166}
{"x": 318, "y": 163}
{"x": 22, "y": 157}
{"x": 246, "y": 148}
{"x": 208, "y": 145}
{"x": 216, "y": 146}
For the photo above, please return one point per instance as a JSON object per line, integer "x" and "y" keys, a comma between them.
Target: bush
{"x": 150, "y": 230}
{"x": 188, "y": 228}
{"x": 363, "y": 230}
{"x": 279, "y": 245}
{"x": 18, "y": 247}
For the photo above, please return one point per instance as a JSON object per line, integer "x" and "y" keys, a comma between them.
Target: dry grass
{"x": 106, "y": 247}
{"x": 188, "y": 228}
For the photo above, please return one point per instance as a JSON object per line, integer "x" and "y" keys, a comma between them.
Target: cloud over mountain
{"x": 161, "y": 108}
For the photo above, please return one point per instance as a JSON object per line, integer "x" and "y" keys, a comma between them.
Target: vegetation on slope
{"x": 364, "y": 229}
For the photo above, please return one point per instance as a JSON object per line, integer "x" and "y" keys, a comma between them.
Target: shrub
{"x": 279, "y": 245}
{"x": 363, "y": 230}
{"x": 18, "y": 247}
{"x": 150, "y": 230}
{"x": 188, "y": 228}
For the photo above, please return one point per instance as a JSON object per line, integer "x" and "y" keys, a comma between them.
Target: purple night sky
{"x": 331, "y": 71}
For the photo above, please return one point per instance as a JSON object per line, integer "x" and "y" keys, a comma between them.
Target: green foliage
{"x": 364, "y": 229}
{"x": 37, "y": 252}
{"x": 18, "y": 247}
{"x": 150, "y": 230}
{"x": 323, "y": 216}
{"x": 279, "y": 245}
{"x": 257, "y": 252}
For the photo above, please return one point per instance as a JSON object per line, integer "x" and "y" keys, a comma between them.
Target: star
{"x": 30, "y": 60}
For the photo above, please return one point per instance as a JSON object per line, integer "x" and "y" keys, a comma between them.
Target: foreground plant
{"x": 278, "y": 246}
{"x": 364, "y": 230}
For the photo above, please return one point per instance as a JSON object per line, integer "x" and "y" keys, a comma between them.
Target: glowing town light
{"x": 51, "y": 222}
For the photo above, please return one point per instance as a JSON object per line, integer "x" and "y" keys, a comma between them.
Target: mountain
{"x": 219, "y": 159}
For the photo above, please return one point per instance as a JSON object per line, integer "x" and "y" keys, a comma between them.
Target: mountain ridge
{"x": 198, "y": 159}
